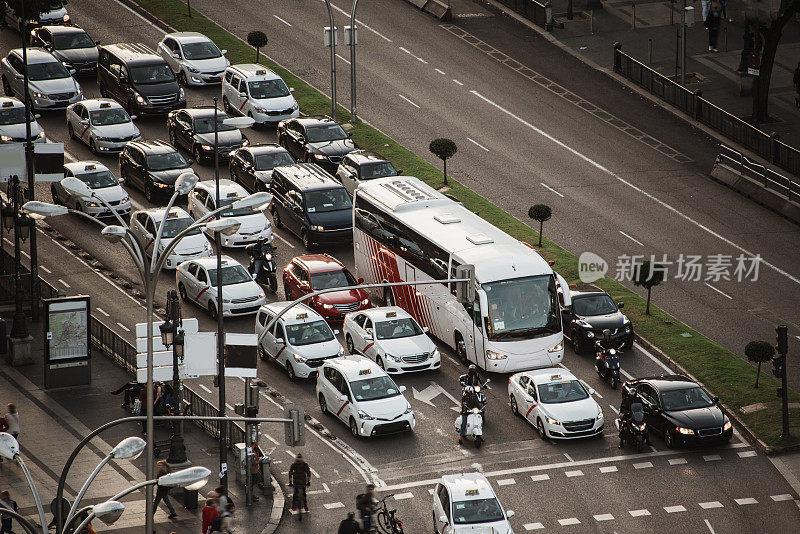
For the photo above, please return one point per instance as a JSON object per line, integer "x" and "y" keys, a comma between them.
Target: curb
{"x": 139, "y": 10}
{"x": 278, "y": 502}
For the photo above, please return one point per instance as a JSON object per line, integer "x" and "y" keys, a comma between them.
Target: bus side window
{"x": 476, "y": 314}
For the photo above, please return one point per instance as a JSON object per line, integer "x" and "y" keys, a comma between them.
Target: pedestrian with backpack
{"x": 300, "y": 479}
{"x": 365, "y": 503}
{"x": 350, "y": 525}
{"x": 223, "y": 523}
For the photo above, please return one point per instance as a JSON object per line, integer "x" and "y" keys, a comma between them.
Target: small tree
{"x": 648, "y": 276}
{"x": 257, "y": 39}
{"x": 541, "y": 213}
{"x": 759, "y": 352}
{"x": 443, "y": 149}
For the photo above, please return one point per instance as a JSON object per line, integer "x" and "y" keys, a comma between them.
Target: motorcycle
{"x": 480, "y": 394}
{"x": 608, "y": 367}
{"x": 474, "y": 430}
{"x": 634, "y": 428}
{"x": 267, "y": 275}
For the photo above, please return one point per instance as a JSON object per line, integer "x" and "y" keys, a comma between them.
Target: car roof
{"x": 211, "y": 263}
{"x": 293, "y": 316}
{"x": 382, "y": 313}
{"x": 188, "y": 37}
{"x": 319, "y": 263}
{"x": 550, "y": 374}
{"x": 462, "y": 486}
{"x": 315, "y": 120}
{"x": 154, "y": 146}
{"x": 668, "y": 382}
{"x": 226, "y": 187}
{"x": 133, "y": 52}
{"x": 254, "y": 70}
{"x": 203, "y": 111}
{"x": 158, "y": 213}
{"x": 15, "y": 103}
{"x": 79, "y": 167}
{"x": 36, "y": 55}
{"x": 265, "y": 148}
{"x": 308, "y": 176}
{"x": 364, "y": 156}
{"x": 93, "y": 104}
{"x": 63, "y": 29}
{"x": 356, "y": 367}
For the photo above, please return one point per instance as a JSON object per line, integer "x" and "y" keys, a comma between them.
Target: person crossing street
{"x": 365, "y": 503}
{"x": 300, "y": 479}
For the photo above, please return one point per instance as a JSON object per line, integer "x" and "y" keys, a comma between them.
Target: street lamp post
{"x": 19, "y": 326}
{"x": 172, "y": 335}
{"x": 353, "y": 34}
{"x": 9, "y": 449}
{"x": 333, "y": 59}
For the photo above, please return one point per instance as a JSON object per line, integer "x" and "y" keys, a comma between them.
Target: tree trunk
{"x": 647, "y": 310}
{"x": 570, "y": 13}
{"x": 256, "y": 54}
{"x": 758, "y": 373}
{"x": 445, "y": 171}
{"x": 541, "y": 226}
{"x": 772, "y": 39}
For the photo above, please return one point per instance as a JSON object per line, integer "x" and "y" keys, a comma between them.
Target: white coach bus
{"x": 405, "y": 230}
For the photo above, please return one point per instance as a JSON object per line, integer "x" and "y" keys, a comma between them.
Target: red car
{"x": 314, "y": 272}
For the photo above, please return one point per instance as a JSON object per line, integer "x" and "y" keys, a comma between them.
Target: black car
{"x": 152, "y": 167}
{"x": 252, "y": 166}
{"x": 70, "y": 45}
{"x": 319, "y": 140}
{"x": 193, "y": 130}
{"x": 592, "y": 311}
{"x": 360, "y": 166}
{"x": 677, "y": 408}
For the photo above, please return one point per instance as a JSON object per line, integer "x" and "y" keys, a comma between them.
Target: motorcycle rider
{"x": 258, "y": 251}
{"x": 626, "y": 414}
{"x": 603, "y": 347}
{"x": 468, "y": 403}
{"x": 472, "y": 378}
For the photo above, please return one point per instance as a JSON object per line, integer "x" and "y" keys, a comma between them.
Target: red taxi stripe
{"x": 342, "y": 408}
{"x": 529, "y": 410}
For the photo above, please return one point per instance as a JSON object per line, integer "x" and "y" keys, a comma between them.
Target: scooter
{"x": 608, "y": 368}
{"x": 267, "y": 274}
{"x": 474, "y": 430}
{"x": 634, "y": 429}
{"x": 480, "y": 395}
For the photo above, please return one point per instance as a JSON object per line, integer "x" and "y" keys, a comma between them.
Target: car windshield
{"x": 308, "y": 333}
{"x": 205, "y": 125}
{"x": 268, "y": 89}
{"x": 69, "y": 41}
{"x": 522, "y": 308}
{"x": 107, "y": 117}
{"x": 52, "y": 5}
{"x": 10, "y": 116}
{"x": 267, "y": 162}
{"x": 477, "y": 511}
{"x": 231, "y": 274}
{"x": 51, "y": 70}
{"x": 234, "y": 212}
{"x": 330, "y": 132}
{"x": 175, "y": 225}
{"x": 370, "y": 171}
{"x": 564, "y": 391}
{"x": 165, "y": 162}
{"x": 331, "y": 279}
{"x": 151, "y": 74}
{"x": 380, "y": 387}
{"x": 397, "y": 328}
{"x": 202, "y": 50}
{"x": 328, "y": 200}
{"x": 594, "y": 305}
{"x": 689, "y": 398}
{"x": 98, "y": 179}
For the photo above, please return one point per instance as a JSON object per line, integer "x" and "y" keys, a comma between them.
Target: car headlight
{"x": 641, "y": 427}
{"x": 295, "y": 106}
{"x": 625, "y": 319}
{"x": 392, "y": 358}
{"x": 476, "y": 410}
{"x": 207, "y": 147}
{"x": 492, "y": 355}
{"x": 65, "y": 18}
{"x": 140, "y": 99}
{"x": 92, "y": 204}
{"x": 37, "y": 94}
{"x": 315, "y": 228}
{"x": 161, "y": 185}
{"x": 182, "y": 94}
{"x": 192, "y": 69}
{"x": 341, "y": 351}
{"x": 684, "y": 431}
{"x": 726, "y": 426}
{"x": 408, "y": 410}
{"x": 124, "y": 199}
{"x": 327, "y": 306}
{"x": 581, "y": 322}
{"x": 245, "y": 142}
{"x": 268, "y": 257}
{"x": 365, "y": 416}
{"x": 599, "y": 416}
{"x": 590, "y": 334}
{"x": 435, "y": 354}
{"x": 627, "y": 329}
{"x": 40, "y": 135}
{"x": 226, "y": 301}
{"x": 261, "y": 295}
{"x": 551, "y": 421}
{"x": 365, "y": 301}
{"x": 261, "y": 110}
{"x": 320, "y": 157}
{"x": 557, "y": 348}
{"x": 6, "y": 138}
{"x": 299, "y": 359}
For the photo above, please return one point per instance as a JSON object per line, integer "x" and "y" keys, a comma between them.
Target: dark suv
{"x": 139, "y": 79}
{"x": 152, "y": 167}
{"x": 193, "y": 129}
{"x": 70, "y": 45}
{"x": 592, "y": 311}
{"x": 319, "y": 140}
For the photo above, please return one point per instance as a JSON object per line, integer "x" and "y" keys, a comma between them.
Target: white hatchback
{"x": 193, "y": 57}
{"x": 254, "y": 224}
{"x": 51, "y": 85}
{"x": 255, "y": 91}
{"x": 103, "y": 184}
{"x": 12, "y": 123}
{"x": 194, "y": 245}
{"x": 197, "y": 281}
{"x": 467, "y": 503}
{"x": 392, "y": 338}
{"x": 101, "y": 123}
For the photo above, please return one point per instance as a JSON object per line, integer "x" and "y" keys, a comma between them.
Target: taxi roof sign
{"x": 365, "y": 372}
{"x": 391, "y": 314}
{"x": 8, "y": 104}
{"x": 301, "y": 316}
{"x": 104, "y": 105}
{"x": 471, "y": 492}
{"x": 261, "y": 72}
{"x": 172, "y": 214}
{"x": 555, "y": 377}
{"x": 232, "y": 195}
{"x": 90, "y": 167}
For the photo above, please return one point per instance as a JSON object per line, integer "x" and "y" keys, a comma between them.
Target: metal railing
{"x": 538, "y": 11}
{"x": 770, "y": 179}
{"x": 767, "y": 146}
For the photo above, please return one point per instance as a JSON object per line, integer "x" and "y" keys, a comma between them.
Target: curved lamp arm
{"x": 35, "y": 492}
{"x": 68, "y": 523}
{"x": 82, "y": 492}
{"x": 161, "y": 226}
{"x": 26, "y": 524}
{"x": 135, "y": 252}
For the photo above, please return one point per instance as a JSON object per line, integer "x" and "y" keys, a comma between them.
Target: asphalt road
{"x": 407, "y": 464}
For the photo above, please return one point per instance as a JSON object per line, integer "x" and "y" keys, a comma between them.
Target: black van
{"x": 310, "y": 203}
{"x": 139, "y": 79}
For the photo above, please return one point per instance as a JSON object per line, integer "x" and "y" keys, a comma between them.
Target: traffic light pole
{"x": 783, "y": 349}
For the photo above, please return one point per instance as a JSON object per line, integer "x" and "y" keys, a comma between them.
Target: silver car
{"x": 51, "y": 84}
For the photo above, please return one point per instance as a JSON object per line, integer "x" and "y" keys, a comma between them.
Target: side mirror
{"x": 402, "y": 389}
{"x": 298, "y": 210}
{"x": 37, "y": 116}
{"x": 223, "y": 51}
{"x": 591, "y": 391}
{"x": 620, "y": 305}
{"x": 443, "y": 519}
{"x": 84, "y": 121}
{"x": 304, "y": 285}
{"x": 121, "y": 181}
{"x": 509, "y": 514}
{"x": 73, "y": 72}
{"x": 349, "y": 134}
{"x": 190, "y": 161}
{"x": 97, "y": 42}
{"x": 399, "y": 172}
{"x": 337, "y": 332}
{"x": 280, "y": 341}
{"x": 134, "y": 117}
{"x": 291, "y": 89}
{"x": 715, "y": 398}
{"x": 176, "y": 55}
{"x": 343, "y": 398}
{"x": 243, "y": 95}
{"x": 360, "y": 281}
{"x": 368, "y": 337}
{"x": 426, "y": 329}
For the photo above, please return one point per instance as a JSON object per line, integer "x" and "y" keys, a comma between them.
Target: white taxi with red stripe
{"x": 144, "y": 225}
{"x": 361, "y": 394}
{"x": 392, "y": 338}
{"x": 198, "y": 281}
{"x": 102, "y": 124}
{"x": 255, "y": 91}
{"x": 299, "y": 341}
{"x": 556, "y": 403}
{"x": 103, "y": 184}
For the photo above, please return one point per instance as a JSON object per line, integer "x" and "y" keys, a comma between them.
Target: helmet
{"x": 469, "y": 389}
{"x": 473, "y": 368}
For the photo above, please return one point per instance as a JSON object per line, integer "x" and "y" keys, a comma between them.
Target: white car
{"x": 255, "y": 91}
{"x": 197, "y": 281}
{"x": 101, "y": 123}
{"x": 103, "y": 184}
{"x": 193, "y": 57}
{"x": 392, "y": 338}
{"x": 194, "y": 245}
{"x": 556, "y": 403}
{"x": 300, "y": 341}
{"x": 50, "y": 83}
{"x": 467, "y": 503}
{"x": 12, "y": 123}
{"x": 357, "y": 391}
{"x": 254, "y": 224}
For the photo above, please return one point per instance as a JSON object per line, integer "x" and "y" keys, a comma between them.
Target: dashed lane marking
{"x": 719, "y": 291}
{"x": 614, "y": 409}
{"x": 64, "y": 283}
{"x": 101, "y": 310}
{"x": 782, "y": 497}
{"x": 745, "y": 501}
{"x": 359, "y": 23}
{"x": 228, "y": 406}
{"x": 569, "y": 521}
{"x": 551, "y": 189}
{"x": 123, "y": 327}
{"x": 280, "y": 19}
{"x": 506, "y": 482}
{"x": 674, "y": 509}
{"x": 710, "y": 528}
{"x": 639, "y": 513}
{"x": 632, "y": 239}
{"x": 575, "y": 473}
{"x": 474, "y": 142}
{"x": 609, "y": 469}
{"x": 747, "y": 454}
{"x": 273, "y": 440}
{"x": 314, "y": 472}
{"x": 333, "y": 505}
{"x": 403, "y": 496}
{"x": 533, "y": 526}
{"x": 284, "y": 240}
{"x": 343, "y": 59}
{"x": 409, "y": 101}
{"x": 643, "y": 465}
{"x": 712, "y": 458}
{"x": 324, "y": 485}
{"x": 457, "y": 82}
{"x": 45, "y": 269}
{"x": 539, "y": 478}
{"x": 568, "y": 457}
{"x": 603, "y": 517}
{"x": 202, "y": 386}
{"x": 677, "y": 461}
{"x": 440, "y": 71}
{"x": 710, "y": 504}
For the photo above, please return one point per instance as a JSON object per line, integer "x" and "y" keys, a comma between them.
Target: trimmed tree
{"x": 257, "y": 39}
{"x": 443, "y": 149}
{"x": 541, "y": 213}
{"x": 759, "y": 352}
{"x": 648, "y": 275}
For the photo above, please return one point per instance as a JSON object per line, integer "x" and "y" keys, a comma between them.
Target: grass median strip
{"x": 725, "y": 374}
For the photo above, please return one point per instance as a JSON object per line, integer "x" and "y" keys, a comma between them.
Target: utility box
{"x": 328, "y": 35}
{"x": 688, "y": 16}
{"x": 240, "y": 451}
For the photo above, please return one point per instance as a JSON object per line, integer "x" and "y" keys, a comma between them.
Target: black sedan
{"x": 152, "y": 167}
{"x": 680, "y": 410}
{"x": 252, "y": 166}
{"x": 319, "y": 140}
{"x": 193, "y": 130}
{"x": 70, "y": 45}
{"x": 592, "y": 311}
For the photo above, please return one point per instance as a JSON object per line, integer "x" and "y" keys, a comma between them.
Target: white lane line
{"x": 533, "y": 526}
{"x": 65, "y": 284}
{"x": 782, "y": 497}
{"x": 101, "y": 310}
{"x": 588, "y": 386}
{"x": 343, "y": 12}
{"x": 674, "y": 509}
{"x": 284, "y": 240}
{"x": 273, "y": 440}
{"x": 747, "y": 454}
{"x": 25, "y": 254}
{"x": 421, "y": 60}
{"x": 401, "y": 496}
{"x": 575, "y": 473}
{"x": 123, "y": 326}
{"x": 569, "y": 521}
{"x": 142, "y": 17}
{"x": 639, "y": 513}
{"x": 632, "y": 239}
{"x": 718, "y": 291}
{"x": 798, "y": 337}
{"x": 440, "y": 71}
{"x": 539, "y": 478}
{"x": 314, "y": 472}
{"x": 333, "y": 505}
{"x": 343, "y": 59}
{"x": 745, "y": 501}
{"x": 603, "y": 517}
{"x": 710, "y": 504}
{"x": 609, "y": 469}
{"x": 228, "y": 406}
{"x": 457, "y": 82}
{"x": 409, "y": 101}
{"x": 551, "y": 189}
{"x": 280, "y": 19}
{"x": 506, "y": 482}
{"x": 474, "y": 142}
{"x": 655, "y": 360}
{"x": 677, "y": 461}
{"x": 568, "y": 457}
{"x": 324, "y": 485}
{"x": 636, "y": 188}
{"x": 614, "y": 409}
{"x": 643, "y": 465}
{"x": 712, "y": 458}
{"x": 406, "y": 50}
{"x": 45, "y": 269}
{"x": 626, "y": 374}
{"x": 203, "y": 386}
{"x": 710, "y": 528}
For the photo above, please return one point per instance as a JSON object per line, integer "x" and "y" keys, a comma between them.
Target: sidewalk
{"x": 54, "y": 421}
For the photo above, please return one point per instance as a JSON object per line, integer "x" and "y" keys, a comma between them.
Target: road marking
{"x": 202, "y": 386}
{"x": 333, "y": 505}
{"x": 677, "y": 461}
{"x": 406, "y": 50}
{"x": 747, "y": 454}
{"x": 401, "y": 496}
{"x": 273, "y": 440}
{"x": 589, "y": 387}
{"x": 63, "y": 282}
{"x": 643, "y": 465}
{"x": 712, "y": 458}
{"x": 430, "y": 491}
{"x": 280, "y": 19}
{"x": 632, "y": 239}
{"x": 314, "y": 472}
{"x": 284, "y": 240}
{"x": 533, "y": 526}
{"x": 568, "y": 457}
{"x": 710, "y": 528}
{"x": 639, "y": 513}
{"x": 343, "y": 59}
{"x": 674, "y": 509}
{"x": 440, "y": 71}
{"x": 149, "y": 23}
{"x": 343, "y": 12}
{"x": 228, "y": 406}
{"x": 123, "y": 327}
{"x": 45, "y": 269}
{"x": 324, "y": 485}
{"x": 508, "y": 482}
{"x": 551, "y": 189}
{"x": 745, "y": 501}
{"x": 421, "y": 60}
{"x": 655, "y": 360}
{"x": 457, "y": 82}
{"x": 609, "y": 469}
{"x": 782, "y": 497}
{"x": 409, "y": 101}
{"x": 575, "y": 473}
{"x": 25, "y": 254}
{"x": 101, "y": 310}
{"x": 718, "y": 291}
{"x": 474, "y": 142}
{"x": 636, "y": 188}
{"x": 569, "y": 521}
{"x": 603, "y": 517}
{"x": 614, "y": 409}
{"x": 626, "y": 374}
{"x": 539, "y": 478}
{"x": 710, "y": 504}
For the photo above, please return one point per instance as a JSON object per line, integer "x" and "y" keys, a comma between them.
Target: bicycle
{"x": 387, "y": 522}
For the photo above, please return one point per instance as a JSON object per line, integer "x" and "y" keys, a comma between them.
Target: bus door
{"x": 409, "y": 293}
{"x": 478, "y": 335}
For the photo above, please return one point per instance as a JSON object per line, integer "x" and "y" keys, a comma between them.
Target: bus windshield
{"x": 522, "y": 308}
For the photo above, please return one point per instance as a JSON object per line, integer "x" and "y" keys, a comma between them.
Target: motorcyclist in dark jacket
{"x": 258, "y": 251}
{"x": 468, "y": 403}
{"x": 472, "y": 378}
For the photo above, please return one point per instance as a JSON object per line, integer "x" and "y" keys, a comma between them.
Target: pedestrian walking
{"x": 350, "y": 525}
{"x": 723, "y": 9}
{"x": 223, "y": 499}
{"x": 796, "y": 81}
{"x": 6, "y": 520}
{"x": 365, "y": 503}
{"x": 12, "y": 420}
{"x": 223, "y": 523}
{"x": 300, "y": 478}
{"x": 255, "y": 469}
{"x": 209, "y": 512}
{"x": 712, "y": 22}
{"x": 162, "y": 492}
